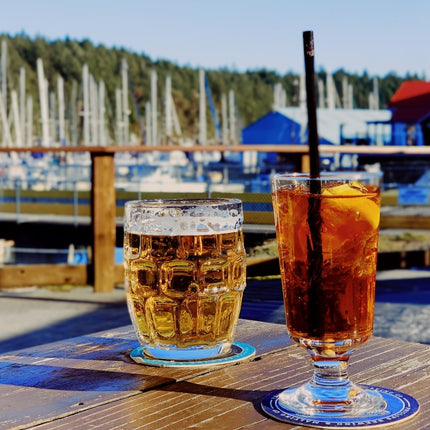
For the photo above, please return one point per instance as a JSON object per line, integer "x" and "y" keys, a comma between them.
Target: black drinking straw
{"x": 311, "y": 102}
{"x": 314, "y": 245}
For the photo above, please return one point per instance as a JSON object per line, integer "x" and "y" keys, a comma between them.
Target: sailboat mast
{"x": 224, "y": 116}
{"x": 52, "y": 116}
{"x": 29, "y": 131}
{"x": 118, "y": 118}
{"x": 202, "y": 109}
{"x": 7, "y": 139}
{"x": 153, "y": 105}
{"x": 61, "y": 110}
{"x": 22, "y": 101}
{"x": 232, "y": 112}
{"x": 4, "y": 84}
{"x": 43, "y": 96}
{"x": 16, "y": 119}
{"x": 168, "y": 109}
{"x": 86, "y": 103}
{"x": 148, "y": 110}
{"x": 74, "y": 115}
{"x": 375, "y": 92}
{"x": 331, "y": 92}
{"x": 175, "y": 119}
{"x": 102, "y": 111}
{"x": 321, "y": 97}
{"x": 93, "y": 110}
{"x": 125, "y": 108}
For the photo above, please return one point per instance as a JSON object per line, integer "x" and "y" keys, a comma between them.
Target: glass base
{"x": 342, "y": 398}
{"x": 196, "y": 352}
{"x": 238, "y": 352}
{"x": 368, "y": 407}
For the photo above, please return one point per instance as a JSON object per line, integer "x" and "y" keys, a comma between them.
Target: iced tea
{"x": 330, "y": 298}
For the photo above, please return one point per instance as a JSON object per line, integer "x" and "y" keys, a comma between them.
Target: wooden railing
{"x": 102, "y": 272}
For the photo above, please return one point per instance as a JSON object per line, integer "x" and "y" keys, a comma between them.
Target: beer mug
{"x": 185, "y": 273}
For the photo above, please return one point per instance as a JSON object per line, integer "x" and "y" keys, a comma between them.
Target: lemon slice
{"x": 363, "y": 209}
{"x": 344, "y": 190}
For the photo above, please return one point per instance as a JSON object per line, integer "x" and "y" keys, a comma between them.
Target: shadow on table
{"x": 252, "y": 396}
{"x": 70, "y": 379}
{"x": 107, "y": 316}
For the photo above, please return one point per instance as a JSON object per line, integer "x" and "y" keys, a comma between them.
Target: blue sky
{"x": 378, "y": 36}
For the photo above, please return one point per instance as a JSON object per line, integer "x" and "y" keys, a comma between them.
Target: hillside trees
{"x": 253, "y": 89}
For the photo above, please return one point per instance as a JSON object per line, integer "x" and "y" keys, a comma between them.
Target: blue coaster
{"x": 239, "y": 352}
{"x": 400, "y": 407}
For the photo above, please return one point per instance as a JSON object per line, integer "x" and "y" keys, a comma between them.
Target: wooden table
{"x": 90, "y": 382}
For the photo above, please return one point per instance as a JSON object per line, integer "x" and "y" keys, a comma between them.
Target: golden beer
{"x": 184, "y": 291}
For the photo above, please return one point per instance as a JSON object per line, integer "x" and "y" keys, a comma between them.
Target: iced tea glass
{"x": 185, "y": 273}
{"x": 327, "y": 233}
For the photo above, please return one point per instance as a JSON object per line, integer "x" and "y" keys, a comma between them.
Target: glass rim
{"x": 170, "y": 217}
{"x": 181, "y": 203}
{"x": 360, "y": 174}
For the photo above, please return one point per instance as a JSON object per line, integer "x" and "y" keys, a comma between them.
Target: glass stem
{"x": 331, "y": 373}
{"x": 330, "y": 389}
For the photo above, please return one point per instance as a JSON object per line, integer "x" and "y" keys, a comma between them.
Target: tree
{"x": 253, "y": 89}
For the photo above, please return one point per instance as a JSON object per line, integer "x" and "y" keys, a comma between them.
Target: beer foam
{"x": 183, "y": 218}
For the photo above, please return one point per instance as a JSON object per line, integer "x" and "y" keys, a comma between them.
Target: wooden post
{"x": 101, "y": 269}
{"x": 305, "y": 163}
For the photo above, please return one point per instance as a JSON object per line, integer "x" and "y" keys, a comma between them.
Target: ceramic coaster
{"x": 239, "y": 352}
{"x": 400, "y": 407}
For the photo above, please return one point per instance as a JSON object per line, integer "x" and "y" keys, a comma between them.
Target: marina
{"x": 74, "y": 159}
{"x": 72, "y": 208}
{"x": 221, "y": 153}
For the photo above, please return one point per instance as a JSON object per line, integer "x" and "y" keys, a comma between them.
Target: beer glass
{"x": 327, "y": 233}
{"x": 185, "y": 273}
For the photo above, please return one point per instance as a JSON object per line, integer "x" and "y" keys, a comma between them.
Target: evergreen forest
{"x": 253, "y": 89}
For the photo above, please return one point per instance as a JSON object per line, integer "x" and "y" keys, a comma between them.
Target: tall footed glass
{"x": 327, "y": 233}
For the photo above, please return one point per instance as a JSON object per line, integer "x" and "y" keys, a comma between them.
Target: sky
{"x": 376, "y": 36}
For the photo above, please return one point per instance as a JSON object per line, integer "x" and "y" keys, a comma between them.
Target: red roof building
{"x": 411, "y": 102}
{"x": 410, "y": 105}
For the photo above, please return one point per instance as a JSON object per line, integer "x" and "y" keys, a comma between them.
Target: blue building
{"x": 335, "y": 127}
{"x": 274, "y": 128}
